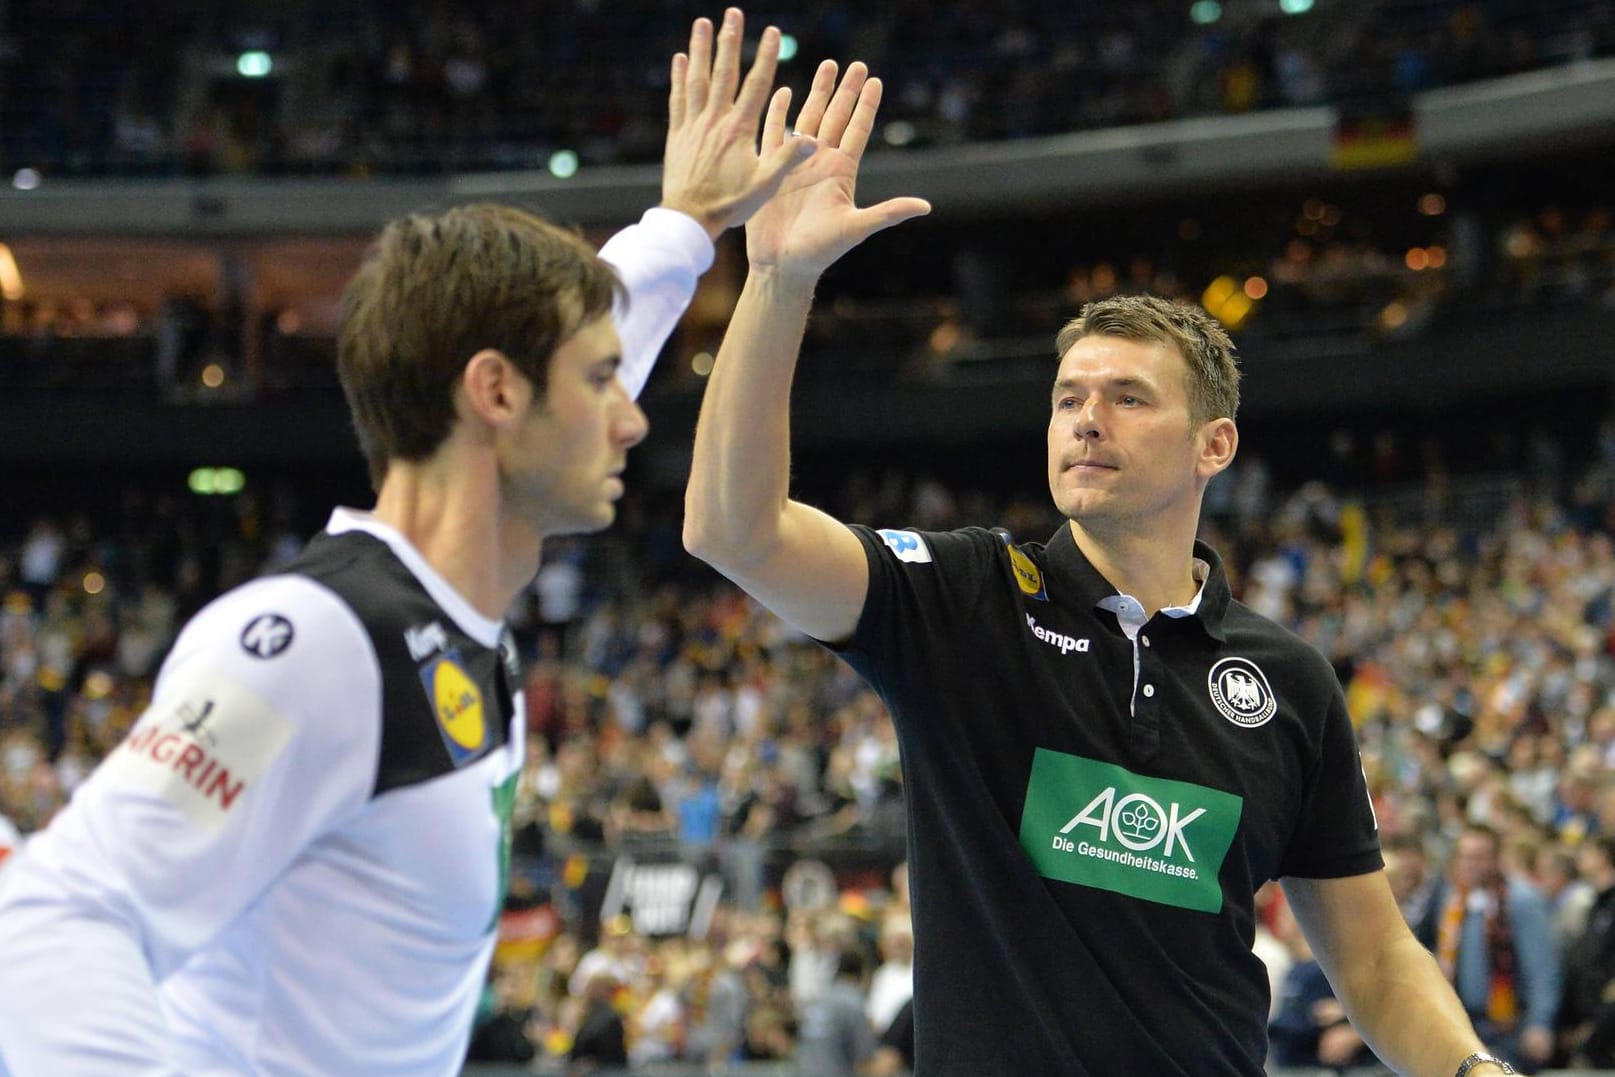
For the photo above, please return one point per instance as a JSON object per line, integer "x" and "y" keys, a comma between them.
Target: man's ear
{"x": 492, "y": 390}
{"x": 1219, "y": 441}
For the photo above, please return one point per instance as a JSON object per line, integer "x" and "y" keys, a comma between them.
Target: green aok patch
{"x": 1095, "y": 824}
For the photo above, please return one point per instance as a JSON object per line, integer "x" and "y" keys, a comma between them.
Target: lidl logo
{"x": 458, "y": 706}
{"x": 1099, "y": 825}
{"x": 1027, "y": 575}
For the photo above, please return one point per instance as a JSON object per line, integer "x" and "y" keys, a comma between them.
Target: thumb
{"x": 891, "y": 212}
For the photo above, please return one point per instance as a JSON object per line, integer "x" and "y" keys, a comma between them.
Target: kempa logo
{"x": 1066, "y": 643}
{"x": 266, "y": 635}
{"x": 1150, "y": 838}
{"x": 1239, "y": 689}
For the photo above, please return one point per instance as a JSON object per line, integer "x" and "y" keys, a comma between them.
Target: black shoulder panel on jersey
{"x": 446, "y": 700}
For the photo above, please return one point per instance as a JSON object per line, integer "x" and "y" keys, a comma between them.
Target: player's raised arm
{"x": 713, "y": 178}
{"x": 739, "y": 517}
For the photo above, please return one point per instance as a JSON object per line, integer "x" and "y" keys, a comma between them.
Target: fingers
{"x": 779, "y": 163}
{"x": 779, "y": 107}
{"x": 891, "y": 212}
{"x": 818, "y": 99}
{"x": 754, "y": 91}
{"x": 726, "y": 69}
{"x": 837, "y": 116}
{"x": 862, "y": 124}
{"x": 773, "y": 169}
{"x": 698, "y": 69}
{"x": 676, "y": 90}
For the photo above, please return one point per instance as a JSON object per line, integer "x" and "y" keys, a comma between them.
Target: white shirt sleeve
{"x": 659, "y": 260}
{"x": 263, "y": 733}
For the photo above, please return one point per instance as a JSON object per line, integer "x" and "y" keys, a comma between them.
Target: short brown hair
{"x": 1198, "y": 337}
{"x": 435, "y": 290}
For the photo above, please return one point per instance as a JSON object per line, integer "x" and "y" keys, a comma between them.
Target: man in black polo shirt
{"x": 1104, "y": 754}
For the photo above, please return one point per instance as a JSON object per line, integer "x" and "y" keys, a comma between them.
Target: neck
{"x": 449, "y": 512}
{"x": 1157, "y": 568}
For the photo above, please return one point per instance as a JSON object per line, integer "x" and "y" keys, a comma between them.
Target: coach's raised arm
{"x": 739, "y": 517}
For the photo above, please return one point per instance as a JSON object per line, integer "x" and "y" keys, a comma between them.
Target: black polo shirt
{"x": 1089, "y": 817}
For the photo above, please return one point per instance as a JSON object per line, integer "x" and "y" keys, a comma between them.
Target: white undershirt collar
{"x": 1129, "y": 611}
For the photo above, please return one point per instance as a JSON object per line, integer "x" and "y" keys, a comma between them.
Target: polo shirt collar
{"x": 1081, "y": 583}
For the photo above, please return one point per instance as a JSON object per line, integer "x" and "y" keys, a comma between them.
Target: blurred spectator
{"x": 659, "y": 1025}
{"x": 601, "y": 1039}
{"x": 501, "y": 1030}
{"x": 721, "y": 1021}
{"x": 892, "y": 985}
{"x": 835, "y": 1038}
{"x": 1493, "y": 938}
{"x": 1309, "y": 1029}
{"x": 617, "y": 957}
{"x": 1587, "y": 1016}
{"x": 1407, "y": 867}
{"x": 1570, "y": 897}
{"x": 895, "y": 1053}
{"x": 817, "y": 939}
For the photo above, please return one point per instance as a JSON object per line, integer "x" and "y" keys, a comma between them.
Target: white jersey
{"x": 295, "y": 862}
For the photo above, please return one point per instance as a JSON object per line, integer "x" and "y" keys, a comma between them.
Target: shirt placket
{"x": 1143, "y": 708}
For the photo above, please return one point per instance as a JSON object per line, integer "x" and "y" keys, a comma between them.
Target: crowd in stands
{"x": 360, "y": 88}
{"x": 1306, "y": 272}
{"x": 671, "y": 720}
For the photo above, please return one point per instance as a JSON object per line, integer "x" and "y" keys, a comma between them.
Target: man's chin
{"x": 602, "y": 518}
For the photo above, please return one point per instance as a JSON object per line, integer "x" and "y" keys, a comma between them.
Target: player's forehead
{"x": 595, "y": 340}
{"x": 1111, "y": 360}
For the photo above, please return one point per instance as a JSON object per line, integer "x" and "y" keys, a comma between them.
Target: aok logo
{"x": 1136, "y": 821}
{"x": 1101, "y": 826}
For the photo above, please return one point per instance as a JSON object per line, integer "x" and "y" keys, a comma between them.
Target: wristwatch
{"x": 1478, "y": 1058}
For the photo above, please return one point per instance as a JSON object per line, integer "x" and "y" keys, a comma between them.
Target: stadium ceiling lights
{"x": 563, "y": 164}
{"x": 254, "y": 64}
{"x": 216, "y": 481}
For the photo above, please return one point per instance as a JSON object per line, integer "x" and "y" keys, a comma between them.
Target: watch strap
{"x": 1479, "y": 1057}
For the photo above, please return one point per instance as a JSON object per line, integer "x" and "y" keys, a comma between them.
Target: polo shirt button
{"x": 1149, "y": 691}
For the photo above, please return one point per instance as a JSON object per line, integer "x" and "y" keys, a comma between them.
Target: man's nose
{"x": 629, "y": 424}
{"x": 1087, "y": 425}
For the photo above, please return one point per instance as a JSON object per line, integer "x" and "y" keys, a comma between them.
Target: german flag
{"x": 1371, "y": 137}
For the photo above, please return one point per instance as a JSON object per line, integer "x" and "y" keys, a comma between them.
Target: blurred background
{"x": 1400, "y": 208}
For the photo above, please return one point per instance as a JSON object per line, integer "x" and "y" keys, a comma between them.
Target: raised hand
{"x": 815, "y": 219}
{"x": 711, "y": 169}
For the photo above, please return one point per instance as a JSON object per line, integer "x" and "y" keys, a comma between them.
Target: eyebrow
{"x": 1114, "y": 383}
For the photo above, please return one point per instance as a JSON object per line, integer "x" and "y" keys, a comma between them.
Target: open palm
{"x": 814, "y": 218}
